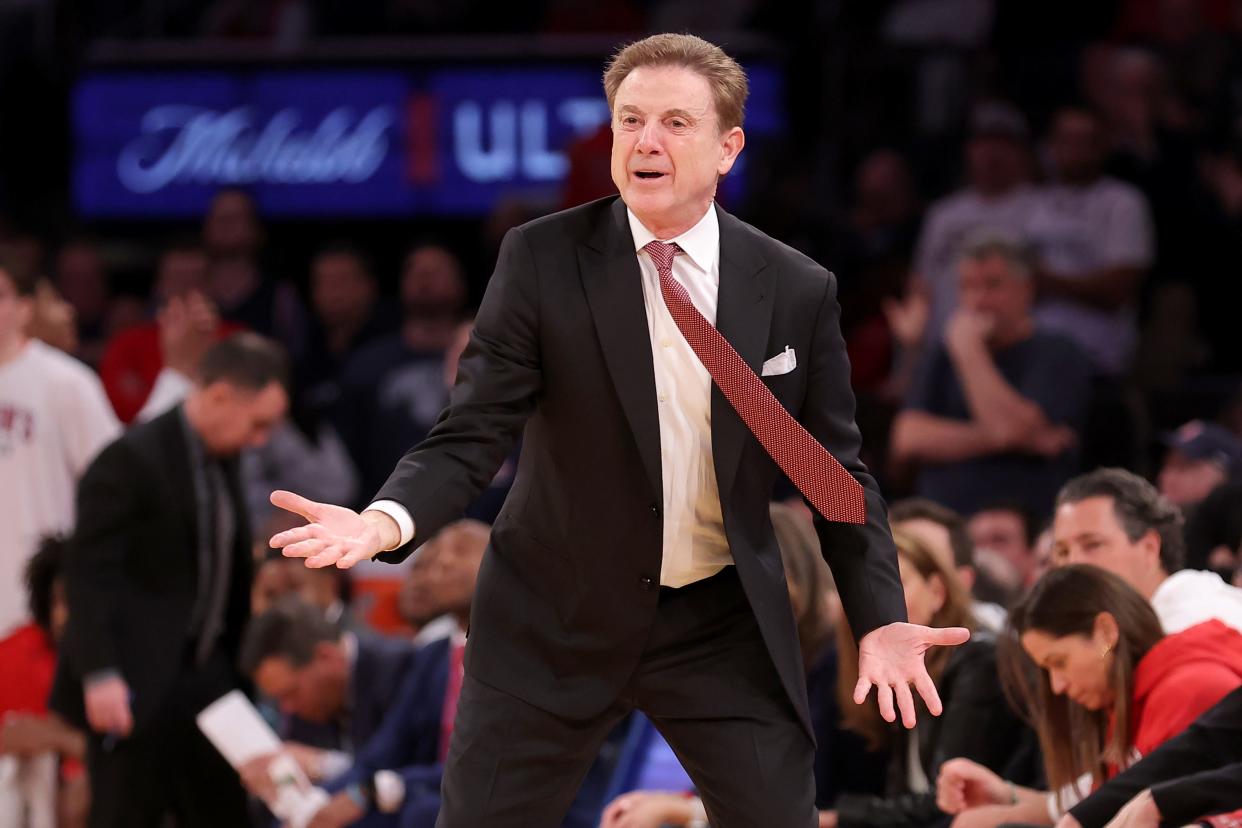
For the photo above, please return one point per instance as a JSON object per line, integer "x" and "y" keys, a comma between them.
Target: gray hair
{"x": 989, "y": 241}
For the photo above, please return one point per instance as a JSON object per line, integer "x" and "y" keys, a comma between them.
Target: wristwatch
{"x": 389, "y": 790}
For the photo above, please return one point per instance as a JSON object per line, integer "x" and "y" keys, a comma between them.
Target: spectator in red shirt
{"x": 29, "y": 733}
{"x": 134, "y": 357}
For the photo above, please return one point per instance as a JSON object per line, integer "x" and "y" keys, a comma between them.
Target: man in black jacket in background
{"x": 158, "y": 586}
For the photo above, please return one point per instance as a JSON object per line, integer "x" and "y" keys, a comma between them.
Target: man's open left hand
{"x": 890, "y": 659}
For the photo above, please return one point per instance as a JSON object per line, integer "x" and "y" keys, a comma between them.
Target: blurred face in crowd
{"x": 342, "y": 290}
{"x": 15, "y": 311}
{"x": 668, "y": 147}
{"x": 885, "y": 188}
{"x": 1045, "y": 554}
{"x": 82, "y": 280}
{"x": 315, "y": 691}
{"x": 1076, "y": 147}
{"x": 230, "y": 418}
{"x": 924, "y": 595}
{"x": 460, "y": 554}
{"x": 1088, "y": 532}
{"x": 1004, "y": 532}
{"x": 432, "y": 283}
{"x": 993, "y": 287}
{"x": 231, "y": 228}
{"x": 418, "y": 600}
{"x": 995, "y": 164}
{"x": 1078, "y": 666}
{"x": 275, "y": 579}
{"x": 180, "y": 272}
{"x": 1185, "y": 481}
{"x": 935, "y": 537}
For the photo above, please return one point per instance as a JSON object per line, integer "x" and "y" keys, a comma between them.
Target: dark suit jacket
{"x": 408, "y": 739}
{"x": 379, "y": 671}
{"x": 1196, "y": 773}
{"x": 561, "y": 348}
{"x": 132, "y": 579}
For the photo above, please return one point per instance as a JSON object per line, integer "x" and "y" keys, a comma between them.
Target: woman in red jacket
{"x": 1110, "y": 688}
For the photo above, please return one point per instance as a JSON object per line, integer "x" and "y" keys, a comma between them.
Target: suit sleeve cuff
{"x": 398, "y": 513}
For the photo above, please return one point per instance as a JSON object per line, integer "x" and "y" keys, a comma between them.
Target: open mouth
{"x": 648, "y": 175}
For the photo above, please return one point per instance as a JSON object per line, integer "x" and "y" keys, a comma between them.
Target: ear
{"x": 731, "y": 144}
{"x": 936, "y": 585}
{"x": 1106, "y": 633}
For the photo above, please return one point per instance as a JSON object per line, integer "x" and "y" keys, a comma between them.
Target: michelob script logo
{"x": 183, "y": 144}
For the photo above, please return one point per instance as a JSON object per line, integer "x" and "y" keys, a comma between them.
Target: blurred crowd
{"x": 1033, "y": 211}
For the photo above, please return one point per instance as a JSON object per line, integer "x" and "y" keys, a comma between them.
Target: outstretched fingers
{"x": 927, "y": 689}
{"x": 297, "y": 504}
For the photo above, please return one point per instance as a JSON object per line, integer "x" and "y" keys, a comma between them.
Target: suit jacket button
{"x": 648, "y": 582}
{"x": 655, "y": 511}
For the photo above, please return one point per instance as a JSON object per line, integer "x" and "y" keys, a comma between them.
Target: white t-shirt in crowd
{"x": 1078, "y": 230}
{"x": 1192, "y": 596}
{"x": 949, "y": 222}
{"x": 54, "y": 419}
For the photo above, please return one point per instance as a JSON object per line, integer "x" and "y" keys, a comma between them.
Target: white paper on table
{"x": 233, "y": 725}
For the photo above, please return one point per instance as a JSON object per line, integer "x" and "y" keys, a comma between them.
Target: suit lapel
{"x": 180, "y": 476}
{"x": 743, "y": 316}
{"x": 613, "y": 284}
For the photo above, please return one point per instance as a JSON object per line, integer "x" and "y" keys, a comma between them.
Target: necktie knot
{"x": 662, "y": 253}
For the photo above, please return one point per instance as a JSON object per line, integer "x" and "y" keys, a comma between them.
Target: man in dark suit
{"x": 659, "y": 354}
{"x": 158, "y": 588}
{"x": 333, "y": 686}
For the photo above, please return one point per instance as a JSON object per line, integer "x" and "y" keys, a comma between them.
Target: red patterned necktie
{"x": 817, "y": 474}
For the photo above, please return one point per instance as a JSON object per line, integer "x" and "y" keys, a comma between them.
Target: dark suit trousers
{"x": 707, "y": 683}
{"x": 168, "y": 767}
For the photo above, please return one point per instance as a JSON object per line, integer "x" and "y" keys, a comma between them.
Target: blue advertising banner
{"x": 450, "y": 141}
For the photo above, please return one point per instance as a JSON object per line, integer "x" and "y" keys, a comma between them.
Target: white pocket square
{"x": 782, "y": 363}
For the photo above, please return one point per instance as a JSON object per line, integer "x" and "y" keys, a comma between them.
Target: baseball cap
{"x": 1197, "y": 440}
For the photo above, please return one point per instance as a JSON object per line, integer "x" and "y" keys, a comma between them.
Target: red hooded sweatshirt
{"x": 1180, "y": 678}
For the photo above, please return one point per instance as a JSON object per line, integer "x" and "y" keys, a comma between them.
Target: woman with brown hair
{"x": 976, "y": 723}
{"x": 1086, "y": 658}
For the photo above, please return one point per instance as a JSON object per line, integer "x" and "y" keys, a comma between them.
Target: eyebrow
{"x": 668, "y": 113}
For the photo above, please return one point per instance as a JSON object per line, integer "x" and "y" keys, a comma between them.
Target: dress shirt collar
{"x": 701, "y": 243}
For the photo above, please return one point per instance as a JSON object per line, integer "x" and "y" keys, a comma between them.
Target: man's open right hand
{"x": 333, "y": 535}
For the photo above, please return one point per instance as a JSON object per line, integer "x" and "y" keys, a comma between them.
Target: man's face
{"x": 180, "y": 273}
{"x": 668, "y": 149}
{"x": 990, "y": 287}
{"x": 341, "y": 290}
{"x": 15, "y": 311}
{"x": 994, "y": 164}
{"x": 1186, "y": 482}
{"x": 315, "y": 691}
{"x": 460, "y": 554}
{"x": 432, "y": 284}
{"x": 232, "y": 228}
{"x": 1003, "y": 532}
{"x": 237, "y": 418}
{"x": 1075, "y": 146}
{"x": 419, "y": 597}
{"x": 1088, "y": 532}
